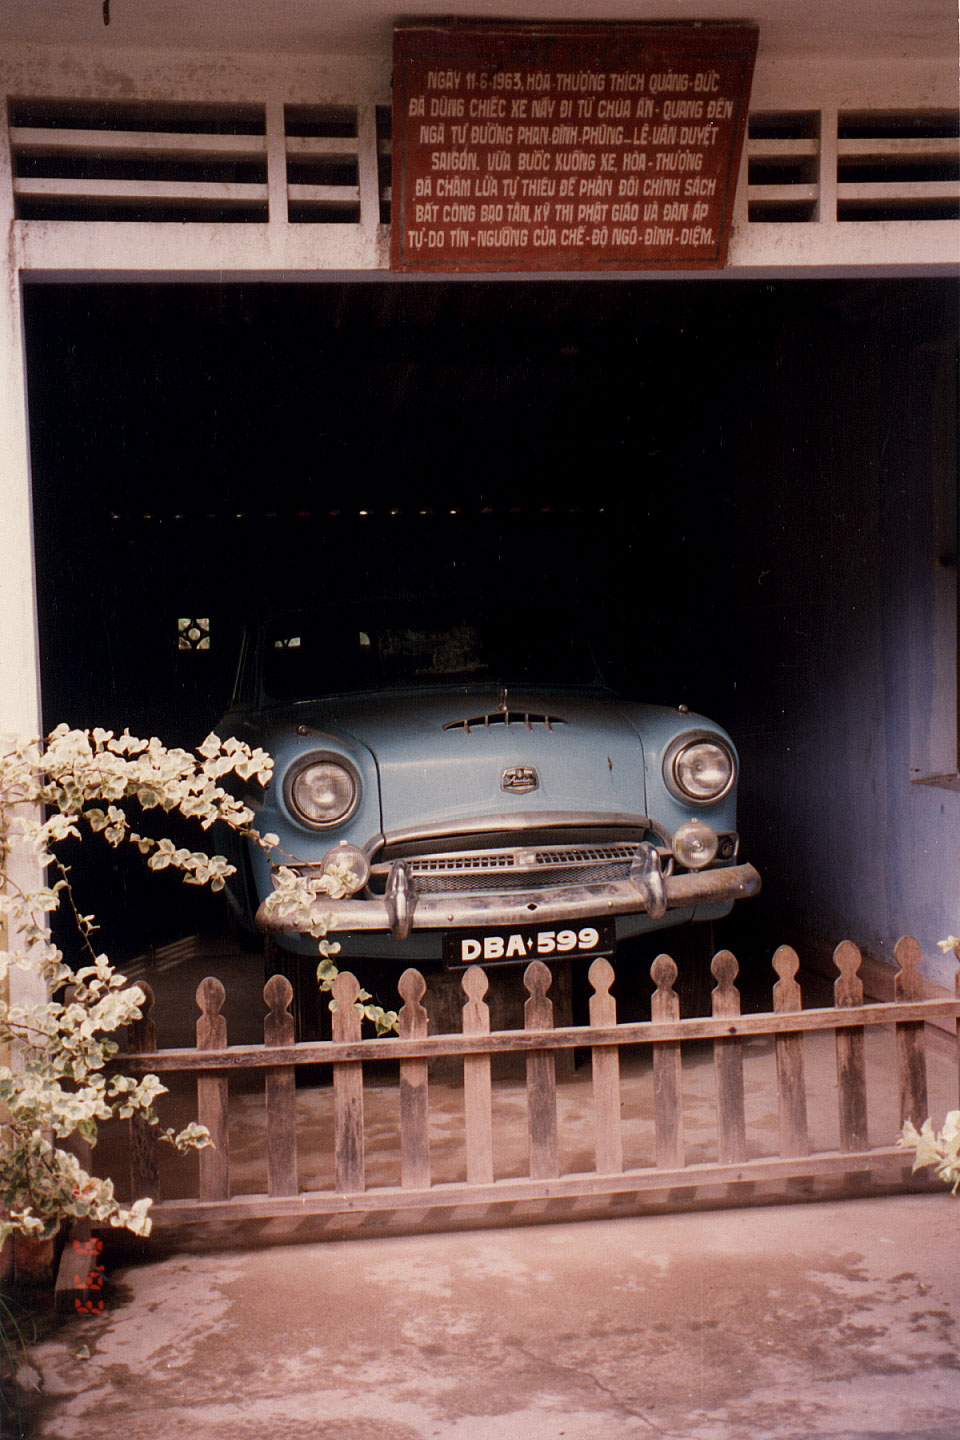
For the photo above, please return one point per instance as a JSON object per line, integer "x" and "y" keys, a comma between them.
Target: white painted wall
{"x": 19, "y": 693}
{"x": 842, "y": 467}
{"x": 19, "y": 655}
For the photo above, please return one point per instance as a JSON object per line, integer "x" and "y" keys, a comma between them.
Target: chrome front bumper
{"x": 524, "y": 907}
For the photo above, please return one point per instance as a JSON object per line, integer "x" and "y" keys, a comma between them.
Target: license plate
{"x": 519, "y": 944}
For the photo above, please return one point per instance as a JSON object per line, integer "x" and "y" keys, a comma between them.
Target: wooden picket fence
{"x": 856, "y": 1162}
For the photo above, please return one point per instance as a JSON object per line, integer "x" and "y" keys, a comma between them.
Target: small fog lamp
{"x": 694, "y": 844}
{"x": 349, "y": 864}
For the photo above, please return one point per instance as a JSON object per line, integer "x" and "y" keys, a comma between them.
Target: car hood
{"x": 446, "y": 754}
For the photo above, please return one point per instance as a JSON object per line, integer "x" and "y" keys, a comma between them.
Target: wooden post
{"x": 414, "y": 1107}
{"x": 78, "y": 1273}
{"x": 347, "y": 1090}
{"x": 280, "y": 1090}
{"x": 477, "y": 1096}
{"x": 667, "y": 1068}
{"x": 911, "y": 1052}
{"x": 728, "y": 1064}
{"x": 213, "y": 1097}
{"x": 791, "y": 1087}
{"x": 605, "y": 1069}
{"x": 144, "y": 1152}
{"x": 541, "y": 1077}
{"x": 34, "y": 1261}
{"x": 77, "y": 1262}
{"x": 77, "y": 1266}
{"x": 851, "y": 1066}
{"x": 79, "y": 1284}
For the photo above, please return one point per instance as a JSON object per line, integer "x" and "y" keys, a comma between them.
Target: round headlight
{"x": 323, "y": 792}
{"x": 695, "y": 844}
{"x": 699, "y": 769}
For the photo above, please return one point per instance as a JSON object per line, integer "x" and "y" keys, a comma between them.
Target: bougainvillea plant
{"x": 940, "y": 1149}
{"x": 55, "y": 1082}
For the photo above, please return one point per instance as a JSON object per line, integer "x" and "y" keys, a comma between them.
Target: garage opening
{"x": 749, "y": 489}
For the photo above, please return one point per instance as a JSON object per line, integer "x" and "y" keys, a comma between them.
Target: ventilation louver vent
{"x": 385, "y": 160}
{"x": 783, "y": 166}
{"x": 505, "y": 717}
{"x": 898, "y": 165}
{"x": 179, "y": 161}
{"x": 891, "y": 165}
{"x": 106, "y": 160}
{"x": 323, "y": 178}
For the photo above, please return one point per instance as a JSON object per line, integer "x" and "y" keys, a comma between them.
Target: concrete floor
{"x": 820, "y": 1320}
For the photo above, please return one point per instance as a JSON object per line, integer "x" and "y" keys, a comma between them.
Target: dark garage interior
{"x": 747, "y": 487}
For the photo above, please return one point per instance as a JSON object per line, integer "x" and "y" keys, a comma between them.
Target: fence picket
{"x": 414, "y": 1110}
{"x": 728, "y": 1064}
{"x": 213, "y": 1098}
{"x": 144, "y": 1156}
{"x": 477, "y": 1091}
{"x": 541, "y": 1077}
{"x": 667, "y": 1069}
{"x": 347, "y": 1091}
{"x": 911, "y": 1051}
{"x": 791, "y": 1086}
{"x": 605, "y": 1072}
{"x": 280, "y": 1091}
{"x": 851, "y": 1066}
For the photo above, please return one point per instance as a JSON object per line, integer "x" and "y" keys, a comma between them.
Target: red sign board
{"x": 570, "y": 147}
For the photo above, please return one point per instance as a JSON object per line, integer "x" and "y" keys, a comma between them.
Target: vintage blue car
{"x": 488, "y": 798}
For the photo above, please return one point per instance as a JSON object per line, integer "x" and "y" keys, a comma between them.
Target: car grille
{"x": 519, "y": 868}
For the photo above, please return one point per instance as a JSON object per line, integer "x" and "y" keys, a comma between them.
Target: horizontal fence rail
{"x": 664, "y": 1037}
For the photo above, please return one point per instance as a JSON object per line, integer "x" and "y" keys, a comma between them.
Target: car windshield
{"x": 340, "y": 651}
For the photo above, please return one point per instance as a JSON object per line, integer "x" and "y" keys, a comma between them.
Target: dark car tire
{"x": 245, "y": 939}
{"x": 692, "y": 947}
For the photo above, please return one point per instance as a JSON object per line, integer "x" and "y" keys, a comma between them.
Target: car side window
{"x": 315, "y": 658}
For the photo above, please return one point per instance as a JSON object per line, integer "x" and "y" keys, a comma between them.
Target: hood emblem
{"x": 519, "y": 779}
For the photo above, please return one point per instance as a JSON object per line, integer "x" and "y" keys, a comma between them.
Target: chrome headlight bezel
{"x": 675, "y": 752}
{"x": 308, "y": 762}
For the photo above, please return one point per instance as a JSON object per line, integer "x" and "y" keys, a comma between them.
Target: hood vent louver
{"x": 527, "y": 718}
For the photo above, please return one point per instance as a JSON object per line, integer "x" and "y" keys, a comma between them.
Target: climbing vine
{"x": 57, "y": 1082}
